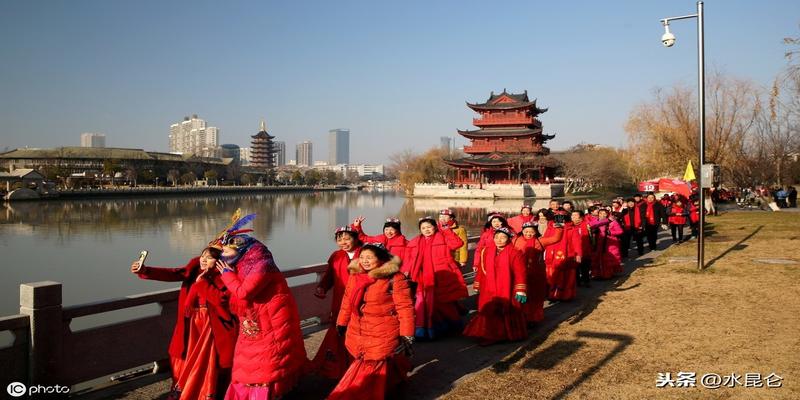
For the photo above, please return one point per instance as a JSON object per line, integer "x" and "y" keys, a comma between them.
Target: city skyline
{"x": 398, "y": 87}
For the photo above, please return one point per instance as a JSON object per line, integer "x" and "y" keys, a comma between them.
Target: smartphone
{"x": 142, "y": 257}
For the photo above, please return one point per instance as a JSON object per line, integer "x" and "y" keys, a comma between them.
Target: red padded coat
{"x": 439, "y": 269}
{"x": 274, "y": 355}
{"x": 373, "y": 330}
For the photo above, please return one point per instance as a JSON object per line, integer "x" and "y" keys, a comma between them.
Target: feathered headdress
{"x": 234, "y": 229}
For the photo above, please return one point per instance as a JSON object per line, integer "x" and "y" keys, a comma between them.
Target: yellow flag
{"x": 688, "y": 176}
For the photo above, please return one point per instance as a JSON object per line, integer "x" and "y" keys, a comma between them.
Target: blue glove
{"x": 521, "y": 298}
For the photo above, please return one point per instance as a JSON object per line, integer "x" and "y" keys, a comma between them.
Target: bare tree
{"x": 663, "y": 135}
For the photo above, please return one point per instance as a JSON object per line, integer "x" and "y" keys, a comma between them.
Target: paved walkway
{"x": 441, "y": 365}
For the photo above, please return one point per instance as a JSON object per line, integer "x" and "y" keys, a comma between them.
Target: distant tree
{"x": 312, "y": 177}
{"x": 297, "y": 178}
{"x": 189, "y": 178}
{"x": 663, "y": 135}
{"x": 147, "y": 176}
{"x": 411, "y": 168}
{"x": 330, "y": 178}
{"x": 131, "y": 175}
{"x": 210, "y": 175}
{"x": 173, "y": 175}
{"x": 589, "y": 168}
{"x": 110, "y": 168}
{"x": 247, "y": 179}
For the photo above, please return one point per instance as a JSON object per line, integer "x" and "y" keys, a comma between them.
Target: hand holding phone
{"x": 138, "y": 264}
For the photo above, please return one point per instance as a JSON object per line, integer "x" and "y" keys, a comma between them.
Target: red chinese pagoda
{"x": 508, "y": 147}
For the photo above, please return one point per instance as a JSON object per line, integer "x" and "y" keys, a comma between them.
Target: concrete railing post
{"x": 41, "y": 301}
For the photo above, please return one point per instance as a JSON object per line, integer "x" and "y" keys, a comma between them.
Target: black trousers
{"x": 629, "y": 235}
{"x": 677, "y": 232}
{"x": 584, "y": 268}
{"x": 651, "y": 231}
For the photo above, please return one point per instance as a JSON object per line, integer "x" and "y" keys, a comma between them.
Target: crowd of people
{"x": 238, "y": 332}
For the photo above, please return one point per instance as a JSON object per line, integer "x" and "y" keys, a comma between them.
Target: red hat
{"x": 447, "y": 211}
{"x": 524, "y": 206}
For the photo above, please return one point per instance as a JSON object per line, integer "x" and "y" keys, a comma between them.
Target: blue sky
{"x": 396, "y": 73}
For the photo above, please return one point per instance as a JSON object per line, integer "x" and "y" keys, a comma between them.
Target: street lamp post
{"x": 668, "y": 39}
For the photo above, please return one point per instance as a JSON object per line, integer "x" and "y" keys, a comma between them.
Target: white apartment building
{"x": 93, "y": 140}
{"x": 192, "y": 135}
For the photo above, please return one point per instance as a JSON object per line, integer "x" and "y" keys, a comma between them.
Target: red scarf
{"x": 362, "y": 280}
{"x": 651, "y": 216}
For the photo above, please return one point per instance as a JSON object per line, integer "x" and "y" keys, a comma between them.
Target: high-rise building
{"x": 244, "y": 155}
{"x": 304, "y": 154}
{"x": 192, "y": 135}
{"x": 262, "y": 153}
{"x": 93, "y": 140}
{"x": 338, "y": 146}
{"x": 280, "y": 153}
{"x": 446, "y": 144}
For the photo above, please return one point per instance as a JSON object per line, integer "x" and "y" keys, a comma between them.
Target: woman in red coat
{"x": 440, "y": 284}
{"x": 526, "y": 215}
{"x": 532, "y": 248}
{"x": 269, "y": 355}
{"x": 494, "y": 221}
{"x": 582, "y": 237}
{"x": 676, "y": 216}
{"x": 559, "y": 259}
{"x": 606, "y": 257}
{"x": 377, "y": 319}
{"x": 392, "y": 237}
{"x": 331, "y": 360}
{"x": 201, "y": 349}
{"x": 502, "y": 291}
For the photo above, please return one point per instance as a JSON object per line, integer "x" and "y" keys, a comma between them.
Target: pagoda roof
{"x": 502, "y": 160}
{"x": 262, "y": 135}
{"x": 500, "y": 132}
{"x": 507, "y": 101}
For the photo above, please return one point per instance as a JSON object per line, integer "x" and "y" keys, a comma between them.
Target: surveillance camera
{"x": 667, "y": 39}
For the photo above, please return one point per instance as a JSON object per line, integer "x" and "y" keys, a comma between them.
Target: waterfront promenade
{"x": 611, "y": 342}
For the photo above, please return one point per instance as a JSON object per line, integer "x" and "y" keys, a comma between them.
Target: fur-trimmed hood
{"x": 387, "y": 270}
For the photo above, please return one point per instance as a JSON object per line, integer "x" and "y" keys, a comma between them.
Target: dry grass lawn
{"x": 739, "y": 316}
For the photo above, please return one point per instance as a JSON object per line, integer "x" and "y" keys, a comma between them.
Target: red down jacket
{"x": 384, "y": 315}
{"x": 275, "y": 354}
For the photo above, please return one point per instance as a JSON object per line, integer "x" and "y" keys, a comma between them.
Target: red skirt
{"x": 196, "y": 376}
{"x": 563, "y": 284}
{"x": 537, "y": 294}
{"x": 332, "y": 358}
{"x": 371, "y": 379}
{"x": 498, "y": 321}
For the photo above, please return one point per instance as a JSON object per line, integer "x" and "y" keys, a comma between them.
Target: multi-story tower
{"x": 193, "y": 136}
{"x": 338, "y": 146}
{"x": 304, "y": 154}
{"x": 93, "y": 140}
{"x": 280, "y": 154}
{"x": 509, "y": 146}
{"x": 262, "y": 149}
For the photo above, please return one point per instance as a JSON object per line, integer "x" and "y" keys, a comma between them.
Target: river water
{"x": 88, "y": 245}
